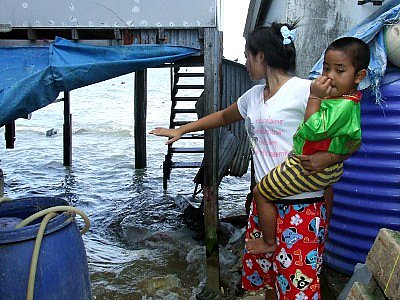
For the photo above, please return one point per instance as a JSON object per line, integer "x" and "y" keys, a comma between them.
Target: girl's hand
{"x": 320, "y": 87}
{"x": 316, "y": 162}
{"x": 173, "y": 134}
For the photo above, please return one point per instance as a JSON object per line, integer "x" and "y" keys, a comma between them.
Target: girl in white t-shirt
{"x": 272, "y": 113}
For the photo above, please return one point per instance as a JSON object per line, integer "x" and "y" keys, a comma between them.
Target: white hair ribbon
{"x": 286, "y": 33}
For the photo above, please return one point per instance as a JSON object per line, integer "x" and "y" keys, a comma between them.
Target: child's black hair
{"x": 356, "y": 49}
{"x": 269, "y": 40}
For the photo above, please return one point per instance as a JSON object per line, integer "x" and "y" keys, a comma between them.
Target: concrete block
{"x": 361, "y": 274}
{"x": 375, "y": 290}
{"x": 383, "y": 261}
{"x": 359, "y": 292}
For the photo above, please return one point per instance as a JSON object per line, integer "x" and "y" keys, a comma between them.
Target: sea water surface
{"x": 138, "y": 246}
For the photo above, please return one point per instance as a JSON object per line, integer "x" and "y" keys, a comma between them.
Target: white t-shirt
{"x": 271, "y": 124}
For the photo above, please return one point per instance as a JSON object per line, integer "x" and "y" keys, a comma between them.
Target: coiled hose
{"x": 48, "y": 214}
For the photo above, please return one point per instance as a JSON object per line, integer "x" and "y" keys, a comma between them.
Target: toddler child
{"x": 331, "y": 123}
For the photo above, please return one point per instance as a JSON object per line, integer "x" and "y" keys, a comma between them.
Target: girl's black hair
{"x": 269, "y": 40}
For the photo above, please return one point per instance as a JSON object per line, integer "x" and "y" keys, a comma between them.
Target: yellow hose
{"x": 56, "y": 209}
{"x": 49, "y": 213}
{"x": 4, "y": 199}
{"x": 35, "y": 255}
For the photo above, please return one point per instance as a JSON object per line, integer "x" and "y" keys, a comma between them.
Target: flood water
{"x": 138, "y": 246}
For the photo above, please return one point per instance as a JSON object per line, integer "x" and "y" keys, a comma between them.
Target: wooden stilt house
{"x": 44, "y": 25}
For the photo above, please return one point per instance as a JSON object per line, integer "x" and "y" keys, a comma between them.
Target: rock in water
{"x": 51, "y": 132}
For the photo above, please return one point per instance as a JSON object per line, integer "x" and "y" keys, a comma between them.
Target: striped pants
{"x": 288, "y": 179}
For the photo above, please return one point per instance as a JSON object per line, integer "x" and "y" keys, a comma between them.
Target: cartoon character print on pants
{"x": 314, "y": 226}
{"x": 255, "y": 231}
{"x": 264, "y": 263}
{"x": 283, "y": 210}
{"x": 257, "y": 268}
{"x": 298, "y": 249}
{"x": 303, "y": 296}
{"x": 312, "y": 258}
{"x": 299, "y": 252}
{"x": 323, "y": 212}
{"x": 283, "y": 283}
{"x": 299, "y": 207}
{"x": 290, "y": 236}
{"x": 255, "y": 279}
{"x": 284, "y": 259}
{"x": 300, "y": 280}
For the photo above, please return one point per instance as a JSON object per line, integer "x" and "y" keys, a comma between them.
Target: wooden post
{"x": 212, "y": 71}
{"x": 67, "y": 128}
{"x": 140, "y": 112}
{"x": 1, "y": 183}
{"x": 9, "y": 133}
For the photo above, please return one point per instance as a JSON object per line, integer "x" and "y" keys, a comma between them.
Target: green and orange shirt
{"x": 336, "y": 127}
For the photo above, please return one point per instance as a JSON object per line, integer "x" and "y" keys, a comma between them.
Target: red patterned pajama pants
{"x": 293, "y": 270}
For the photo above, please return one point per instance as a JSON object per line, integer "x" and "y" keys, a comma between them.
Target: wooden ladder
{"x": 183, "y": 100}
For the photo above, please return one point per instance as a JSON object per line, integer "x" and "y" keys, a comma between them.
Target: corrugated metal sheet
{"x": 368, "y": 196}
{"x": 235, "y": 82}
{"x": 185, "y": 37}
{"x": 188, "y": 37}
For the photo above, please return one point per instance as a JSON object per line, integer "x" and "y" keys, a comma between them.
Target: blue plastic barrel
{"x": 62, "y": 270}
{"x": 368, "y": 196}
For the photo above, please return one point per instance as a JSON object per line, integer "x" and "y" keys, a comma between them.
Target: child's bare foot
{"x": 258, "y": 246}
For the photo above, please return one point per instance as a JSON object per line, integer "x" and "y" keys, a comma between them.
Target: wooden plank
{"x": 180, "y": 123}
{"x": 189, "y": 86}
{"x": 190, "y": 74}
{"x": 184, "y": 111}
{"x": 383, "y": 260}
{"x": 193, "y": 136}
{"x": 185, "y": 164}
{"x": 67, "y": 128}
{"x": 187, "y": 150}
{"x": 186, "y": 98}
{"x": 212, "y": 69}
{"x": 140, "y": 111}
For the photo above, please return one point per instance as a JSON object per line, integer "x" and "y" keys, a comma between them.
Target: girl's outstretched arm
{"x": 218, "y": 119}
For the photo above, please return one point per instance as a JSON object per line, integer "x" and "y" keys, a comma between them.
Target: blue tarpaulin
{"x": 371, "y": 31}
{"x": 32, "y": 77}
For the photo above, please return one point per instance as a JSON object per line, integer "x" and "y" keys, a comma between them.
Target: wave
{"x": 34, "y": 130}
{"x": 104, "y": 132}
